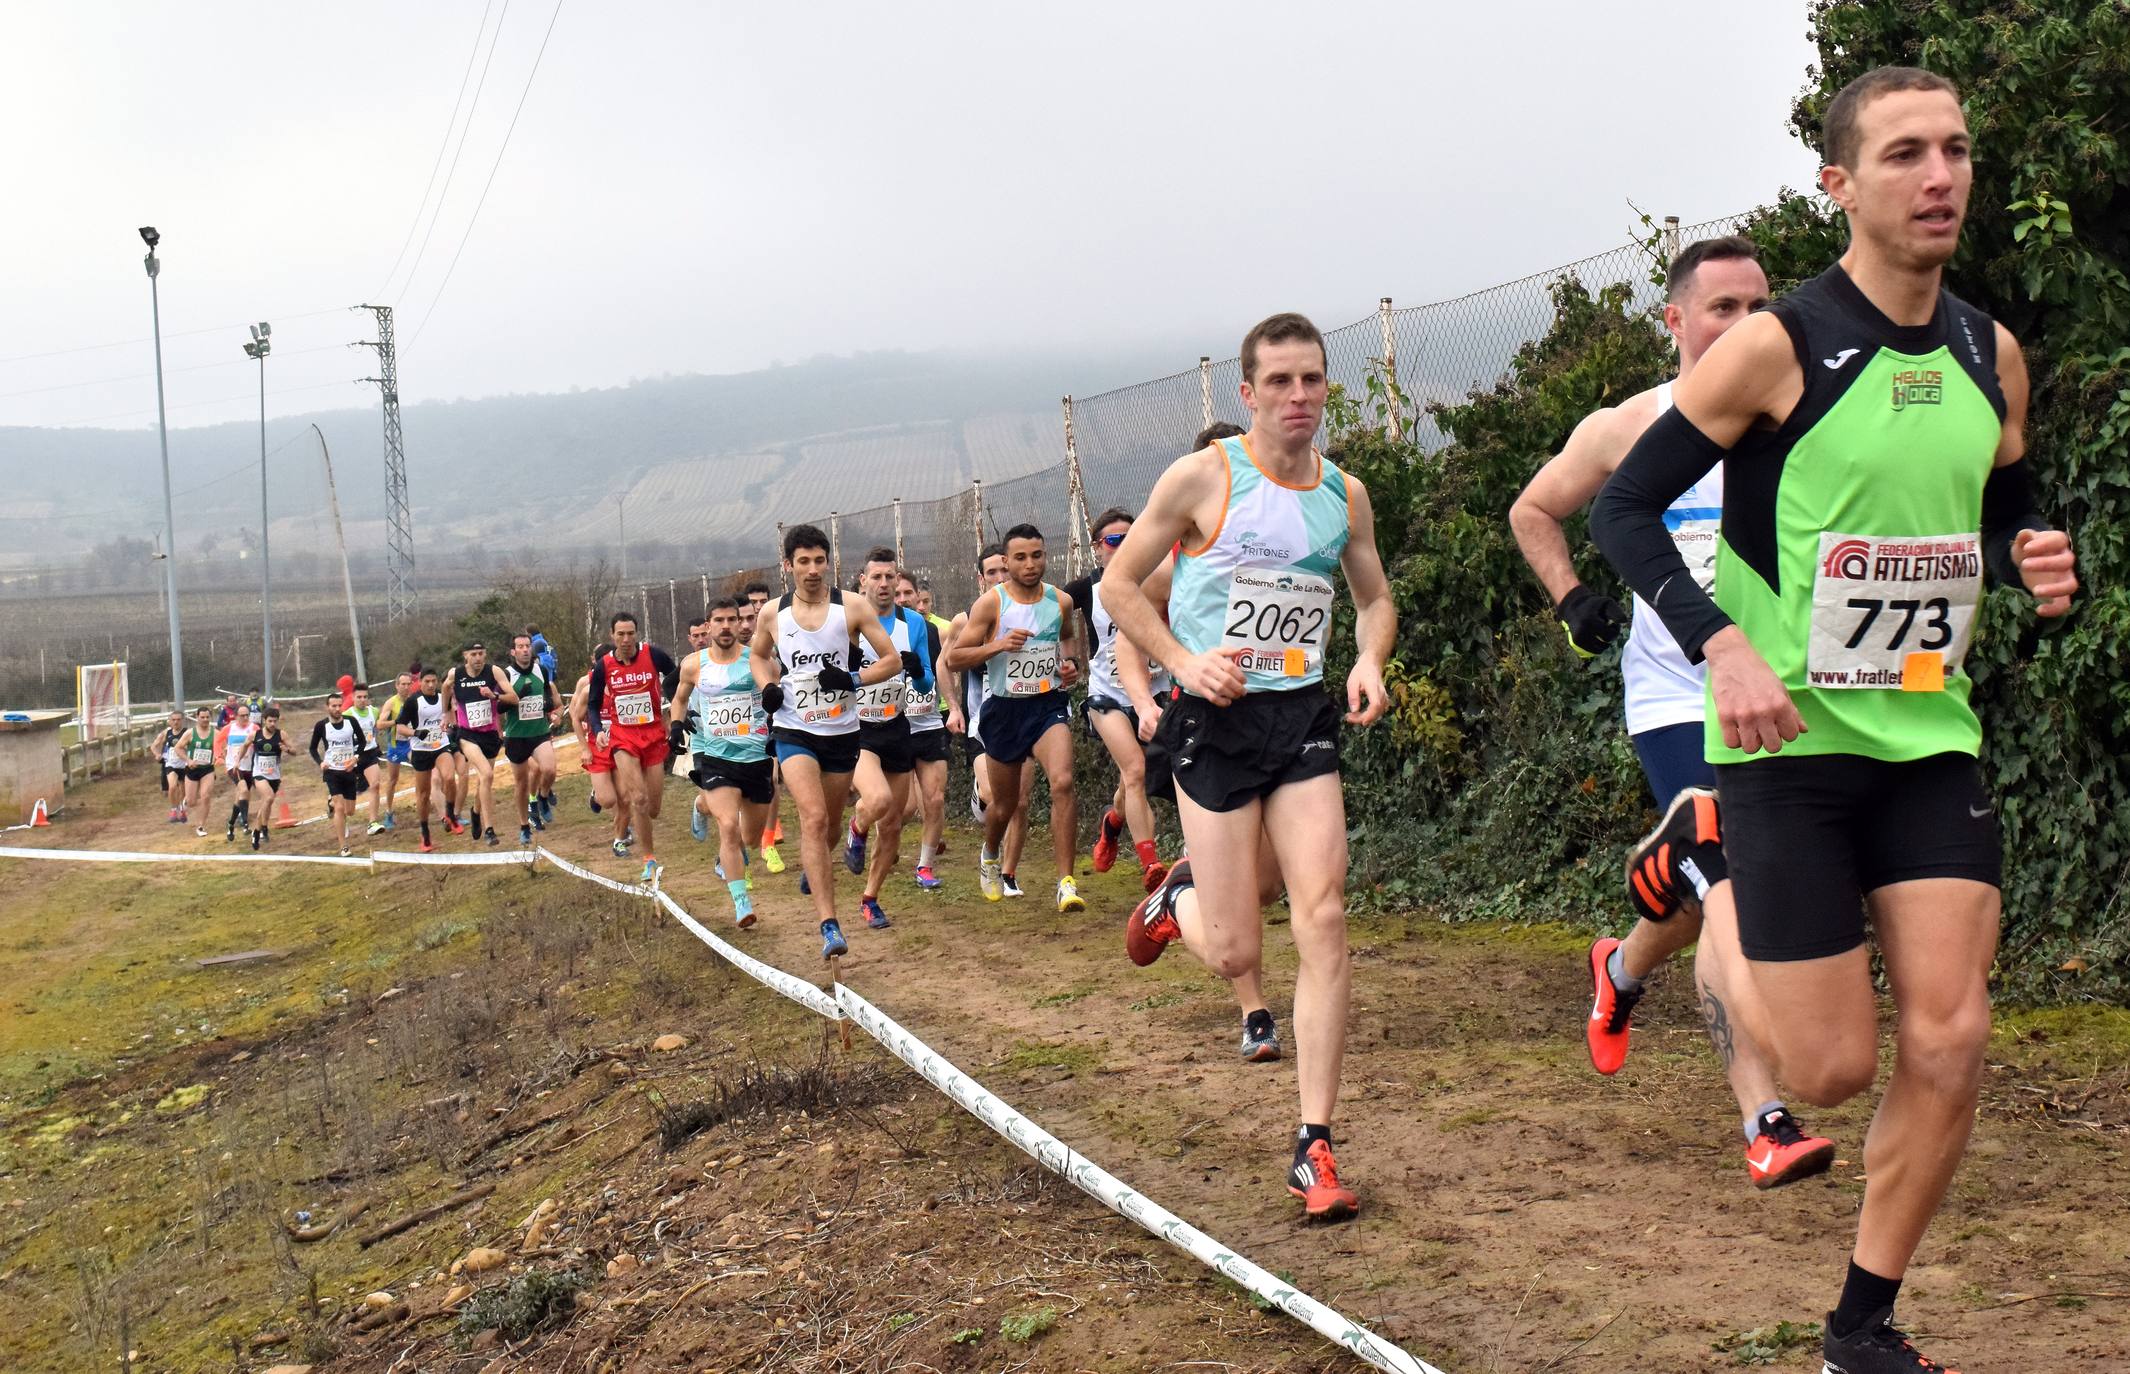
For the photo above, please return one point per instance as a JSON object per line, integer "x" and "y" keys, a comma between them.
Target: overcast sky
{"x": 697, "y": 187}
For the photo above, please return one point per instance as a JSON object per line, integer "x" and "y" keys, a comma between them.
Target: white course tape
{"x": 521, "y": 857}
{"x": 1048, "y": 1151}
{"x": 625, "y": 889}
{"x": 775, "y": 979}
{"x": 120, "y": 856}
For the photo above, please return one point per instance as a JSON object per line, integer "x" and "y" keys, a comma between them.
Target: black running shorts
{"x": 487, "y": 741}
{"x": 521, "y": 748}
{"x": 888, "y": 740}
{"x": 928, "y": 746}
{"x": 754, "y": 779}
{"x": 344, "y": 782}
{"x": 197, "y": 771}
{"x": 1228, "y": 756}
{"x": 425, "y": 759}
{"x": 1807, "y": 837}
{"x": 1012, "y": 725}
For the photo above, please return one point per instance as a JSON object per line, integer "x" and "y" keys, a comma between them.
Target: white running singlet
{"x": 808, "y": 706}
{"x": 1661, "y": 687}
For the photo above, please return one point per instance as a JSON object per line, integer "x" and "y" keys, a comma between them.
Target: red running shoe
{"x": 1783, "y": 1153}
{"x": 1653, "y": 868}
{"x": 1610, "y": 1009}
{"x": 1152, "y": 924}
{"x": 1106, "y": 841}
{"x": 1315, "y": 1180}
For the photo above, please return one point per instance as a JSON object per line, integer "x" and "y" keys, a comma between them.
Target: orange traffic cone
{"x": 284, "y": 819}
{"x": 37, "y": 814}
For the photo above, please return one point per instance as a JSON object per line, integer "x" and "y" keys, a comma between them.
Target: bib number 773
{"x": 1892, "y": 613}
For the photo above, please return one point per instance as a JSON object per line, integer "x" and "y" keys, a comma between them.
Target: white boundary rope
{"x": 936, "y": 1069}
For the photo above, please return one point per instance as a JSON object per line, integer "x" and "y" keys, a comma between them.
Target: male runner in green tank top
{"x": 1871, "y": 430}
{"x": 528, "y": 728}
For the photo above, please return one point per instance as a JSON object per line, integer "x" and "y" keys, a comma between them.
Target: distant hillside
{"x": 706, "y": 461}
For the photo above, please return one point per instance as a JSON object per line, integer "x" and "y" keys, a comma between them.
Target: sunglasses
{"x": 1113, "y": 540}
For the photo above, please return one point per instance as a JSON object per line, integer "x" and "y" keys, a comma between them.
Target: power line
{"x": 437, "y": 211}
{"x": 180, "y": 334}
{"x": 449, "y": 124}
{"x": 216, "y": 480}
{"x": 491, "y": 175}
{"x": 140, "y": 376}
{"x": 218, "y": 400}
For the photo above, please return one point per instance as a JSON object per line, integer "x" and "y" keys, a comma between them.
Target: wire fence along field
{"x": 1120, "y": 441}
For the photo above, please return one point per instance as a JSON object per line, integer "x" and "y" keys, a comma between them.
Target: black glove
{"x": 837, "y": 680}
{"x": 913, "y": 665}
{"x": 1592, "y": 619}
{"x": 677, "y": 737}
{"x": 692, "y": 720}
{"x": 773, "y": 698}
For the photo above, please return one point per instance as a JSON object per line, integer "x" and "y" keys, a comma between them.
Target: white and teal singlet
{"x": 1264, "y": 581}
{"x": 729, "y": 721}
{"x": 1032, "y": 669}
{"x": 1661, "y": 687}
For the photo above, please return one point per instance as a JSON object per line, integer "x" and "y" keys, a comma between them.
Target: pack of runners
{"x": 1806, "y": 515}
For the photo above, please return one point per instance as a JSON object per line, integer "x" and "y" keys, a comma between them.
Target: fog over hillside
{"x": 704, "y": 460}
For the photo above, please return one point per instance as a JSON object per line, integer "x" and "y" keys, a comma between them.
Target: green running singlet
{"x": 1851, "y": 553}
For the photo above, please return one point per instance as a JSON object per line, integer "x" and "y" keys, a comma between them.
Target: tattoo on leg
{"x": 1718, "y": 1021}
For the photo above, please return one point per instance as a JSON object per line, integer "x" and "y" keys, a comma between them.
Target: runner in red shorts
{"x": 626, "y": 705}
{"x": 599, "y": 762}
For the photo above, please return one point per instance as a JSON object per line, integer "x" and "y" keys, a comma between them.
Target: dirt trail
{"x": 1520, "y": 1213}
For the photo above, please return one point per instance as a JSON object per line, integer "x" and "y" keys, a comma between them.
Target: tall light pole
{"x": 621, "y": 530}
{"x": 162, "y": 425}
{"x": 262, "y": 343}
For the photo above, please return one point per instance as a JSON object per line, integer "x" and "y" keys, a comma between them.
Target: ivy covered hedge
{"x": 1502, "y": 784}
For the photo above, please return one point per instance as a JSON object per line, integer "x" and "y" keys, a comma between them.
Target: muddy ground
{"x": 1519, "y": 1212}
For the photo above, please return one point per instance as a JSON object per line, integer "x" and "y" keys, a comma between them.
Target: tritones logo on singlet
{"x": 1917, "y": 387}
{"x": 1247, "y": 541}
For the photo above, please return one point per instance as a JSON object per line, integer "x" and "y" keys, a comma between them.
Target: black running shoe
{"x": 1876, "y": 1347}
{"x": 1656, "y": 883}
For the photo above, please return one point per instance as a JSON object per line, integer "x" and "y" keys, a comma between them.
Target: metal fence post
{"x": 899, "y": 559}
{"x": 1395, "y": 425}
{"x": 706, "y": 591}
{"x": 1079, "y": 524}
{"x": 1205, "y": 390}
{"x": 1669, "y": 239}
{"x": 835, "y": 548}
{"x": 778, "y": 564}
{"x": 643, "y": 595}
{"x": 976, "y": 493}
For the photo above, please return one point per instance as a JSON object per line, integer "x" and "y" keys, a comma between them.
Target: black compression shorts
{"x": 1808, "y": 837}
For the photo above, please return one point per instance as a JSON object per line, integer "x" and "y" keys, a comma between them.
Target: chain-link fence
{"x": 1122, "y": 440}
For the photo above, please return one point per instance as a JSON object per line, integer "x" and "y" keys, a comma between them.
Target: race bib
{"x": 882, "y": 701}
{"x": 1895, "y": 613}
{"x": 480, "y": 714}
{"x": 1032, "y": 669}
{"x": 1696, "y": 542}
{"x": 267, "y": 767}
{"x": 918, "y": 705}
{"x": 1280, "y": 617}
{"x": 532, "y": 708}
{"x": 340, "y": 757}
{"x": 812, "y": 703}
{"x": 429, "y": 737}
{"x": 632, "y": 708}
{"x": 730, "y": 716}
{"x": 202, "y": 753}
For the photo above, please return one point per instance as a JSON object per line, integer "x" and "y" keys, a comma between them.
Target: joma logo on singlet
{"x": 1917, "y": 387}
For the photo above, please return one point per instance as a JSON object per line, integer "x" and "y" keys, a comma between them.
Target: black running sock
{"x": 1864, "y": 1296}
{"x": 425, "y": 832}
{"x": 1258, "y": 1021}
{"x": 1309, "y": 1134}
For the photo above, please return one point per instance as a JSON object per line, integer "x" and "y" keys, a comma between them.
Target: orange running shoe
{"x": 1106, "y": 841}
{"x": 1315, "y": 1180}
{"x": 1610, "y": 1010}
{"x": 1653, "y": 879}
{"x": 1152, "y": 925}
{"x": 1783, "y": 1153}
